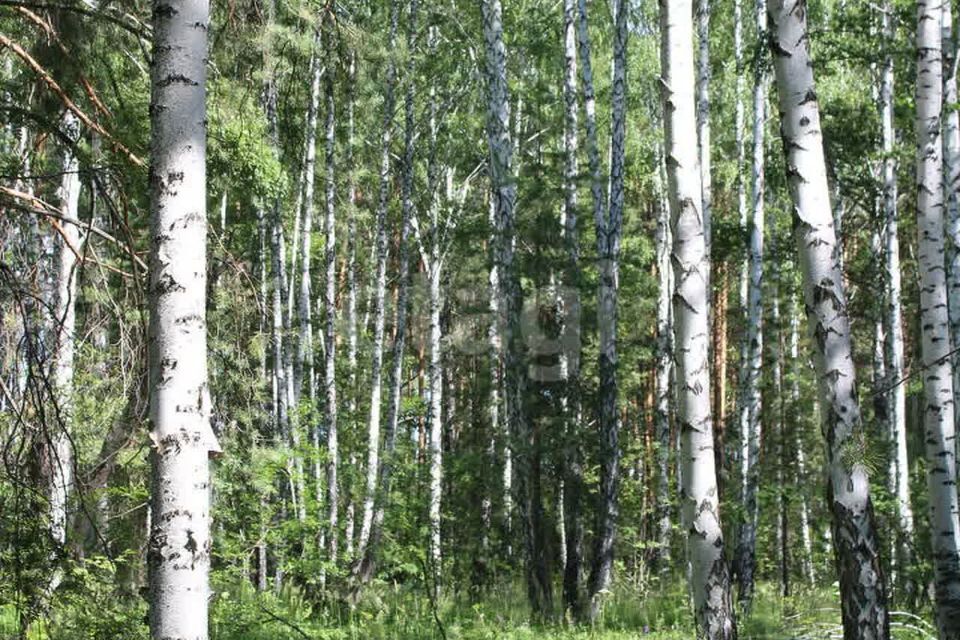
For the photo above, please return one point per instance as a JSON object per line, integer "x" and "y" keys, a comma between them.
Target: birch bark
{"x": 179, "y": 546}
{"x": 710, "y": 580}
{"x": 938, "y": 419}
{"x": 863, "y": 601}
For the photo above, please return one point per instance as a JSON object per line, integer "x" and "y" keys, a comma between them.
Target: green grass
{"x": 402, "y": 613}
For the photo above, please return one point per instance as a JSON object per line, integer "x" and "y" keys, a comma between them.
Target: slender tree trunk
{"x": 951, "y": 184}
{"x": 608, "y": 231}
{"x": 505, "y": 197}
{"x": 750, "y": 440}
{"x": 703, "y": 133}
{"x": 862, "y": 587}
{"x": 572, "y": 477}
{"x": 710, "y": 579}
{"x": 179, "y": 547}
{"x": 897, "y": 400}
{"x": 367, "y": 551}
{"x": 380, "y": 286}
{"x": 777, "y": 415}
{"x": 330, "y": 319}
{"x": 799, "y": 448}
{"x": 938, "y": 419}
{"x": 305, "y": 355}
{"x": 68, "y": 250}
{"x": 664, "y": 367}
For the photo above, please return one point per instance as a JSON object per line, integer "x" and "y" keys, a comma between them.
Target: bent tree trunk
{"x": 179, "y": 546}
{"x": 710, "y": 578}
{"x": 938, "y": 425}
{"x": 864, "y": 600}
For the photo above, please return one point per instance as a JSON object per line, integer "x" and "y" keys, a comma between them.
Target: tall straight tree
{"x": 609, "y": 225}
{"x": 179, "y": 547}
{"x": 752, "y": 406}
{"x": 951, "y": 179}
{"x": 330, "y": 418}
{"x": 573, "y": 476}
{"x": 897, "y": 401}
{"x": 862, "y": 586}
{"x": 710, "y": 578}
{"x": 504, "y": 192}
{"x": 938, "y": 417}
{"x": 67, "y": 253}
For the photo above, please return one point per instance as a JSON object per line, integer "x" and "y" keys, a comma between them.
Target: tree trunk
{"x": 373, "y": 426}
{"x": 571, "y": 480}
{"x": 179, "y": 547}
{"x": 951, "y": 184}
{"x": 504, "y": 189}
{"x": 330, "y": 319}
{"x": 863, "y": 599}
{"x": 746, "y": 561}
{"x": 897, "y": 400}
{"x": 664, "y": 367}
{"x": 608, "y": 231}
{"x": 800, "y": 478}
{"x": 710, "y": 579}
{"x": 938, "y": 419}
{"x": 69, "y": 249}
{"x": 703, "y": 134}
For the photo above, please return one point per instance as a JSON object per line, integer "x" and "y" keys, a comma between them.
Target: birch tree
{"x": 897, "y": 401}
{"x": 863, "y": 592}
{"x": 182, "y": 439}
{"x": 504, "y": 191}
{"x": 609, "y": 224}
{"x": 710, "y": 579}
{"x": 938, "y": 416}
{"x": 572, "y": 480}
{"x": 750, "y": 439}
{"x": 68, "y": 253}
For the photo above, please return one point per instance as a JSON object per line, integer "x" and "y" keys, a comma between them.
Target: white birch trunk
{"x": 608, "y": 231}
{"x": 664, "y": 368}
{"x": 571, "y": 481}
{"x": 863, "y": 600}
{"x": 703, "y": 132}
{"x": 504, "y": 188}
{"x": 179, "y": 546}
{"x": 750, "y": 439}
{"x": 801, "y": 457}
{"x": 951, "y": 184}
{"x": 709, "y": 576}
{"x": 938, "y": 418}
{"x": 330, "y": 318}
{"x": 68, "y": 249}
{"x": 897, "y": 401}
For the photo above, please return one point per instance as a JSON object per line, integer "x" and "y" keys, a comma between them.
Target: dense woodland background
{"x": 440, "y": 415}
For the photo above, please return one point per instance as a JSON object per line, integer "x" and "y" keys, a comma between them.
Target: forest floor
{"x": 396, "y": 613}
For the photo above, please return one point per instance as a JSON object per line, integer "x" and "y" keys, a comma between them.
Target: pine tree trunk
{"x": 745, "y": 563}
{"x": 710, "y": 579}
{"x": 505, "y": 197}
{"x": 862, "y": 587}
{"x": 179, "y": 546}
{"x": 938, "y": 418}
